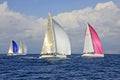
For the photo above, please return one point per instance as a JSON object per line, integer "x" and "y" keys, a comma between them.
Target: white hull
{"x": 53, "y": 57}
{"x": 11, "y": 54}
{"x": 21, "y": 54}
{"x": 92, "y": 55}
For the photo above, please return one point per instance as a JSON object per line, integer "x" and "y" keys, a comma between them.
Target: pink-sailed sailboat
{"x": 92, "y": 44}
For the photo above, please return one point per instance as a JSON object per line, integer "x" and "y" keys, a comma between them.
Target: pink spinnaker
{"x": 95, "y": 40}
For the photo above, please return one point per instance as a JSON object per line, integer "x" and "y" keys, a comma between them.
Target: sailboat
{"x": 92, "y": 44}
{"x": 56, "y": 42}
{"x": 22, "y": 49}
{"x": 13, "y": 48}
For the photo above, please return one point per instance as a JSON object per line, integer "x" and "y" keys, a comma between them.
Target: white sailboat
{"x": 22, "y": 49}
{"x": 56, "y": 42}
{"x": 13, "y": 49}
{"x": 92, "y": 44}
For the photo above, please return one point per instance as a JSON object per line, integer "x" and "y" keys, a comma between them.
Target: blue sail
{"x": 15, "y": 47}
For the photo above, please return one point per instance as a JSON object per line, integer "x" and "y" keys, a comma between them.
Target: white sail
{"x": 22, "y": 49}
{"x": 88, "y": 45}
{"x": 49, "y": 43}
{"x": 10, "y": 51}
{"x": 61, "y": 39}
{"x": 25, "y": 49}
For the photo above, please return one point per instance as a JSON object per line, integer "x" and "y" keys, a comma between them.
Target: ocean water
{"x": 75, "y": 67}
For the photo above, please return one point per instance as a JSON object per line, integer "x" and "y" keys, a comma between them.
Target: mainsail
{"x": 56, "y": 40}
{"x": 88, "y": 45}
{"x": 92, "y": 42}
{"x": 10, "y": 48}
{"x": 49, "y": 42}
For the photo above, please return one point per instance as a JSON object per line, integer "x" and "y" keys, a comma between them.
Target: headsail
{"x": 96, "y": 41}
{"x": 20, "y": 51}
{"x": 25, "y": 49}
{"x": 15, "y": 47}
{"x": 22, "y": 48}
{"x": 62, "y": 41}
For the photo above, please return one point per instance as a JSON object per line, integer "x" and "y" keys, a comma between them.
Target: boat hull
{"x": 95, "y": 55}
{"x": 11, "y": 54}
{"x": 22, "y": 54}
{"x": 53, "y": 57}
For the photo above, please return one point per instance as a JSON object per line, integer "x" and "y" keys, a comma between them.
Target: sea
{"x": 30, "y": 67}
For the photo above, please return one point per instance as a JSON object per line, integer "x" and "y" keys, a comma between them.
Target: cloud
{"x": 17, "y": 26}
{"x": 104, "y": 17}
{"x": 107, "y": 5}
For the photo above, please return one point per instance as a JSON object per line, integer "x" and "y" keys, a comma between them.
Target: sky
{"x": 26, "y": 20}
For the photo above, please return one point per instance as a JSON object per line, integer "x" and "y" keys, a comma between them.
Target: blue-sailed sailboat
{"x": 13, "y": 48}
